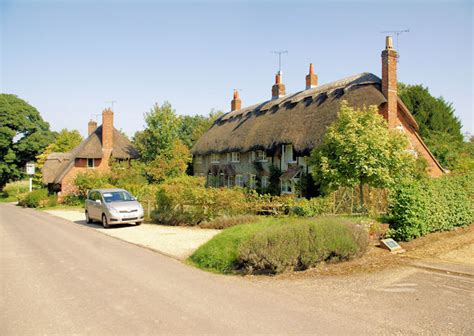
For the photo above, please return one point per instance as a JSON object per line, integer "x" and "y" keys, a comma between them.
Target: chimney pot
{"x": 311, "y": 78}
{"x": 236, "y": 103}
{"x": 388, "y": 42}
{"x": 91, "y": 127}
{"x": 278, "y": 90}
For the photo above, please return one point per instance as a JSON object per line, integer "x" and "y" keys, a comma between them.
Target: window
{"x": 252, "y": 181}
{"x": 290, "y": 154}
{"x": 214, "y": 158}
{"x": 198, "y": 159}
{"x": 235, "y": 157}
{"x": 262, "y": 156}
{"x": 90, "y": 163}
{"x": 286, "y": 187}
{"x": 264, "y": 182}
{"x": 239, "y": 181}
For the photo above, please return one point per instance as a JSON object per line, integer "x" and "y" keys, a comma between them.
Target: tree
{"x": 360, "y": 149}
{"x": 23, "y": 135}
{"x": 439, "y": 127}
{"x": 193, "y": 127}
{"x": 65, "y": 141}
{"x": 169, "y": 163}
{"x": 162, "y": 128}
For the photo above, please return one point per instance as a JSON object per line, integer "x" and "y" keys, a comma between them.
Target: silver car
{"x": 113, "y": 206}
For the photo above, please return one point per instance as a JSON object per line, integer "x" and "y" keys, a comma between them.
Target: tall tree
{"x": 193, "y": 127}
{"x": 439, "y": 127}
{"x": 23, "y": 135}
{"x": 159, "y": 144}
{"x": 359, "y": 149}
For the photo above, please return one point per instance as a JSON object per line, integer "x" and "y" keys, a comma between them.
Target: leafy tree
{"x": 169, "y": 163}
{"x": 193, "y": 127}
{"x": 23, "y": 135}
{"x": 439, "y": 127}
{"x": 162, "y": 128}
{"x": 65, "y": 141}
{"x": 359, "y": 149}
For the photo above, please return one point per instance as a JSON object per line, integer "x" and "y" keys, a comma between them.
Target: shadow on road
{"x": 98, "y": 225}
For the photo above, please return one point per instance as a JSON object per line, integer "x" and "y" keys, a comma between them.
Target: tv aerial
{"x": 398, "y": 33}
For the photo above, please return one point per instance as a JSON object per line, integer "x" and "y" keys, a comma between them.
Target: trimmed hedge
{"x": 299, "y": 246}
{"x": 36, "y": 199}
{"x": 424, "y": 206}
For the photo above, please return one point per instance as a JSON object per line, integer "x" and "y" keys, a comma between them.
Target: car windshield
{"x": 117, "y": 196}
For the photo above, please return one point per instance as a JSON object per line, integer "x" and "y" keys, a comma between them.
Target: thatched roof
{"x": 55, "y": 169}
{"x": 55, "y": 162}
{"x": 300, "y": 119}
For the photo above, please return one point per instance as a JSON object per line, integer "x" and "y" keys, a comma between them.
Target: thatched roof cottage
{"x": 95, "y": 152}
{"x": 283, "y": 130}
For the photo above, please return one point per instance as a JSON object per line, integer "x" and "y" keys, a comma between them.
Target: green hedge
{"x": 36, "y": 199}
{"x": 424, "y": 206}
{"x": 302, "y": 245}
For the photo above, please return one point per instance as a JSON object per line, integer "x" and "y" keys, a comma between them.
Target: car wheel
{"x": 105, "y": 224}
{"x": 138, "y": 223}
{"x": 88, "y": 219}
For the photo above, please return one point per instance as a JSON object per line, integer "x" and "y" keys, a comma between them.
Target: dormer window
{"x": 90, "y": 163}
{"x": 290, "y": 154}
{"x": 261, "y": 156}
{"x": 235, "y": 156}
{"x": 214, "y": 158}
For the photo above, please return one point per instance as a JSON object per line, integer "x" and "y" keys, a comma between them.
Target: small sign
{"x": 391, "y": 245}
{"x": 30, "y": 168}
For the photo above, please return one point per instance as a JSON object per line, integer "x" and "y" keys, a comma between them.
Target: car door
{"x": 94, "y": 206}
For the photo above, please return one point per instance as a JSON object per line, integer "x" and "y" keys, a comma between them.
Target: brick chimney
{"x": 91, "y": 127}
{"x": 278, "y": 89}
{"x": 311, "y": 78}
{"x": 389, "y": 82}
{"x": 236, "y": 103}
{"x": 107, "y": 129}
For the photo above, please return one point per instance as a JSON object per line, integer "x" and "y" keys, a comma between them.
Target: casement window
{"x": 265, "y": 182}
{"x": 239, "y": 180}
{"x": 198, "y": 159}
{"x": 235, "y": 156}
{"x": 286, "y": 187}
{"x": 251, "y": 157}
{"x": 262, "y": 156}
{"x": 290, "y": 154}
{"x": 252, "y": 181}
{"x": 214, "y": 158}
{"x": 90, "y": 163}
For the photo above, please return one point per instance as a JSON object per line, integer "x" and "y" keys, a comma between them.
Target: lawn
{"x": 221, "y": 254}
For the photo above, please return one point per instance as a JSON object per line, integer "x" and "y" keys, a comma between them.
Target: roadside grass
{"x": 13, "y": 191}
{"x": 221, "y": 253}
{"x": 63, "y": 207}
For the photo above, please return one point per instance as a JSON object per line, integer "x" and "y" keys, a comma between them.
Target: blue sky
{"x": 68, "y": 58}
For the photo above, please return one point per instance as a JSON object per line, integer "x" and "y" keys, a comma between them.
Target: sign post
{"x": 30, "y": 170}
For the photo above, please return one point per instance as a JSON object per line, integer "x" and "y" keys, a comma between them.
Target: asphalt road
{"x": 58, "y": 277}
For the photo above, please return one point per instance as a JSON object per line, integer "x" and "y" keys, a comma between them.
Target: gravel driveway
{"x": 177, "y": 242}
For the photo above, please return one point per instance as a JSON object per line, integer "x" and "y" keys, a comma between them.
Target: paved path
{"x": 177, "y": 242}
{"x": 59, "y": 277}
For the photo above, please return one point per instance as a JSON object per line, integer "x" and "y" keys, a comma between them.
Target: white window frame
{"x": 289, "y": 154}
{"x": 214, "y": 158}
{"x": 235, "y": 157}
{"x": 239, "y": 180}
{"x": 265, "y": 181}
{"x": 262, "y": 156}
{"x": 286, "y": 187}
{"x": 93, "y": 163}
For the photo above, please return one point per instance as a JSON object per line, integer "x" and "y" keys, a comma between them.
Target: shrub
{"x": 226, "y": 222}
{"x": 15, "y": 190}
{"x": 420, "y": 207}
{"x": 298, "y": 246}
{"x": 310, "y": 208}
{"x": 35, "y": 199}
{"x": 185, "y": 200}
{"x": 73, "y": 200}
{"x": 92, "y": 180}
